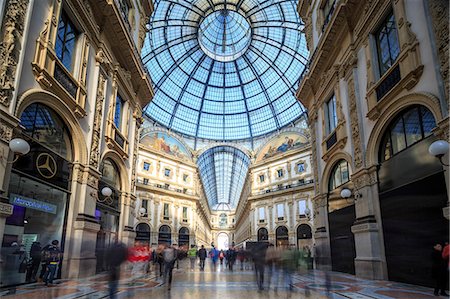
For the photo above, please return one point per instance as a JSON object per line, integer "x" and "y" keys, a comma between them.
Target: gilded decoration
{"x": 281, "y": 144}
{"x": 162, "y": 142}
{"x": 10, "y": 46}
{"x": 95, "y": 147}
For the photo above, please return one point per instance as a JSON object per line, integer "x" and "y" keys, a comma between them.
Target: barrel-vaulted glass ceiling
{"x": 223, "y": 170}
{"x": 225, "y": 70}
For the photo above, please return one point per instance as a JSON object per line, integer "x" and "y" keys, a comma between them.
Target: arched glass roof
{"x": 225, "y": 70}
{"x": 223, "y": 170}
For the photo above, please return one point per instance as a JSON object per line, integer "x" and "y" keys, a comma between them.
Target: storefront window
{"x": 46, "y": 127}
{"x": 38, "y": 218}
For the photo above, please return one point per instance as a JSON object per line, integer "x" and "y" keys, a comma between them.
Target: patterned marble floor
{"x": 225, "y": 285}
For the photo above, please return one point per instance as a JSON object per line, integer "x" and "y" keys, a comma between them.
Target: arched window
{"x": 304, "y": 231}
{"x": 183, "y": 236}
{"x": 164, "y": 236}
{"x": 263, "y": 234}
{"x": 45, "y": 126}
{"x": 409, "y": 127}
{"x": 110, "y": 173}
{"x": 282, "y": 236}
{"x": 110, "y": 178}
{"x": 143, "y": 232}
{"x": 339, "y": 175}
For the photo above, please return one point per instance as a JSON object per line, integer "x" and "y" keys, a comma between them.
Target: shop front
{"x": 39, "y": 191}
{"x": 107, "y": 211}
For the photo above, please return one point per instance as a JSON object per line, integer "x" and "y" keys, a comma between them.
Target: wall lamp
{"x": 142, "y": 212}
{"x": 439, "y": 149}
{"x": 106, "y": 192}
{"x": 19, "y": 147}
{"x": 347, "y": 193}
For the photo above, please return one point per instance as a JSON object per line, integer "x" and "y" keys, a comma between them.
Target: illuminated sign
{"x": 22, "y": 201}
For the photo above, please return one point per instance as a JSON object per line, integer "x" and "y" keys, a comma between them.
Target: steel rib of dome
{"x": 248, "y": 95}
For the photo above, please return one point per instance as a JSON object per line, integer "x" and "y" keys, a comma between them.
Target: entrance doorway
{"x": 304, "y": 236}
{"x": 183, "y": 237}
{"x": 282, "y": 236}
{"x": 222, "y": 241}
{"x": 165, "y": 235}
{"x": 263, "y": 234}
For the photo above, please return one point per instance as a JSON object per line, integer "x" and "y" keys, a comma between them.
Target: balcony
{"x": 335, "y": 140}
{"x": 116, "y": 140}
{"x": 167, "y": 187}
{"x": 403, "y": 75}
{"x": 328, "y": 16}
{"x": 52, "y": 75}
{"x": 300, "y": 183}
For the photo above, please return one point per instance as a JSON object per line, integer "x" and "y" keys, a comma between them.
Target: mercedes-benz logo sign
{"x": 46, "y": 165}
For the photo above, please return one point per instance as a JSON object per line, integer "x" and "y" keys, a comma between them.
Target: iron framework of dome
{"x": 225, "y": 70}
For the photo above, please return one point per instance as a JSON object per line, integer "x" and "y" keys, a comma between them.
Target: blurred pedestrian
{"x": 202, "y": 254}
{"x": 259, "y": 259}
{"x": 35, "y": 255}
{"x": 438, "y": 269}
{"x": 116, "y": 254}
{"x": 192, "y": 254}
{"x": 52, "y": 257}
{"x": 221, "y": 256}
{"x": 169, "y": 256}
{"x": 231, "y": 257}
{"x": 214, "y": 254}
{"x": 241, "y": 257}
{"x": 138, "y": 256}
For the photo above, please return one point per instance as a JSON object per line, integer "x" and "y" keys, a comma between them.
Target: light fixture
{"x": 439, "y": 149}
{"x": 142, "y": 211}
{"x": 19, "y": 147}
{"x": 106, "y": 191}
{"x": 347, "y": 193}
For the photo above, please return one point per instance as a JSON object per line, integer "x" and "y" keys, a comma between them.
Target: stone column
{"x": 128, "y": 234}
{"x": 321, "y": 235}
{"x": 370, "y": 261}
{"x": 82, "y": 227}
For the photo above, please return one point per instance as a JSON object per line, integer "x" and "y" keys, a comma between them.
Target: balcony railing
{"x": 165, "y": 187}
{"x": 389, "y": 82}
{"x": 331, "y": 140}
{"x": 284, "y": 187}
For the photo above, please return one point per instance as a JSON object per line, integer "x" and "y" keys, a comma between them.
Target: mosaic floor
{"x": 225, "y": 285}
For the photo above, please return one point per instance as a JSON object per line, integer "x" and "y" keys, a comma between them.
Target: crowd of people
{"x": 273, "y": 266}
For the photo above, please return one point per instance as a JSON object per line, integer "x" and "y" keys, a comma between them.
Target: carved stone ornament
{"x": 10, "y": 46}
{"x": 354, "y": 123}
{"x": 6, "y": 131}
{"x": 5, "y": 209}
{"x": 95, "y": 147}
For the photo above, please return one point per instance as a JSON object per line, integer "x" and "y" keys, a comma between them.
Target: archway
{"x": 341, "y": 217}
{"x": 183, "y": 237}
{"x": 107, "y": 210}
{"x": 222, "y": 241}
{"x": 304, "y": 237}
{"x": 412, "y": 194}
{"x": 143, "y": 233}
{"x": 282, "y": 236}
{"x": 165, "y": 235}
{"x": 39, "y": 186}
{"x": 263, "y": 234}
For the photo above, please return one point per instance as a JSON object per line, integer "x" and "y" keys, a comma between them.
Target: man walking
{"x": 192, "y": 254}
{"x": 169, "y": 256}
{"x": 202, "y": 254}
{"x": 52, "y": 258}
{"x": 115, "y": 256}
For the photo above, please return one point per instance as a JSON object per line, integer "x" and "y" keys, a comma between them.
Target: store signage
{"x": 26, "y": 202}
{"x": 45, "y": 165}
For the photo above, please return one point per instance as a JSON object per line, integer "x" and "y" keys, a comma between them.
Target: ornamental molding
{"x": 95, "y": 145}
{"x": 365, "y": 178}
{"x": 10, "y": 47}
{"x": 5, "y": 209}
{"x": 354, "y": 124}
{"x": 6, "y": 131}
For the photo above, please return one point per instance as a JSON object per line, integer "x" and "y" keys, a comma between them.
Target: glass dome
{"x": 225, "y": 70}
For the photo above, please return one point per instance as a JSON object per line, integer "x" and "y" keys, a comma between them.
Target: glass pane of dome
{"x": 225, "y": 70}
